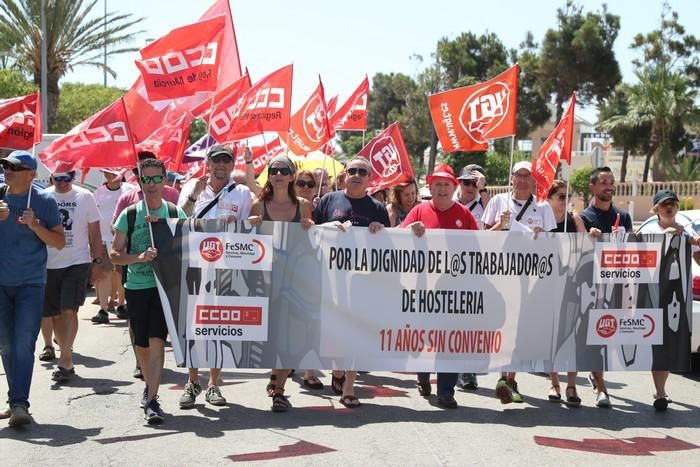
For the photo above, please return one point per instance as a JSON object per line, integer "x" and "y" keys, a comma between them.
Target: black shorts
{"x": 65, "y": 289}
{"x": 146, "y": 316}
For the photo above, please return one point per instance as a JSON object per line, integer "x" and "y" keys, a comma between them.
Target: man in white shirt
{"x": 110, "y": 286}
{"x": 68, "y": 269}
{"x": 517, "y": 210}
{"x": 472, "y": 185}
{"x": 214, "y": 195}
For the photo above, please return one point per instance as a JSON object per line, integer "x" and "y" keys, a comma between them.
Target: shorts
{"x": 66, "y": 289}
{"x": 146, "y": 316}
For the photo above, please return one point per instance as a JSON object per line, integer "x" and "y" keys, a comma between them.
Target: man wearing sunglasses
{"x": 351, "y": 207}
{"x": 472, "y": 185}
{"x": 214, "y": 195}
{"x": 25, "y": 233}
{"x": 68, "y": 268}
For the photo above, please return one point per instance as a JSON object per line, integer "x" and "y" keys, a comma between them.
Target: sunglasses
{"x": 15, "y": 168}
{"x": 279, "y": 171}
{"x": 225, "y": 158}
{"x": 63, "y": 179}
{"x": 153, "y": 179}
{"x": 305, "y": 184}
{"x": 468, "y": 182}
{"x": 361, "y": 172}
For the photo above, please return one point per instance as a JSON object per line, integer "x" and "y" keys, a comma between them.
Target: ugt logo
{"x": 211, "y": 249}
{"x": 315, "y": 119}
{"x": 484, "y": 111}
{"x": 385, "y": 160}
{"x": 180, "y": 60}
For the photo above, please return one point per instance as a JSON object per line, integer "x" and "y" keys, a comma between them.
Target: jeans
{"x": 445, "y": 382}
{"x": 20, "y": 321}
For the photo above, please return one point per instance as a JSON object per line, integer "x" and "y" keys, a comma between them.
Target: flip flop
{"x": 350, "y": 401}
{"x": 312, "y": 383}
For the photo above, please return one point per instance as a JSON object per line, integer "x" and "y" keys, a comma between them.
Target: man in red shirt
{"x": 441, "y": 212}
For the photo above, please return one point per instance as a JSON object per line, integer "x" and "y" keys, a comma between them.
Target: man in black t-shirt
{"x": 351, "y": 206}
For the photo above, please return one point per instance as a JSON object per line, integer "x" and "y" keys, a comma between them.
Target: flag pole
{"x": 363, "y": 138}
{"x": 566, "y": 204}
{"x": 29, "y": 195}
{"x": 512, "y": 149}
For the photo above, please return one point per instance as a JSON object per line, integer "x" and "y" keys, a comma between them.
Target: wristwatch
{"x": 97, "y": 260}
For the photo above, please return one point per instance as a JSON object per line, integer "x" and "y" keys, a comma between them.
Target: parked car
{"x": 691, "y": 220}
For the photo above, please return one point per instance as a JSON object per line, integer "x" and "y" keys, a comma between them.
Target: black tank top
{"x": 296, "y": 218}
{"x": 570, "y": 224}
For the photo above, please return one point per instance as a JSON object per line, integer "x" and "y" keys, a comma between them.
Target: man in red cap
{"x": 441, "y": 212}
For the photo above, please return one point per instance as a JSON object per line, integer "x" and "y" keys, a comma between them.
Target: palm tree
{"x": 73, "y": 36}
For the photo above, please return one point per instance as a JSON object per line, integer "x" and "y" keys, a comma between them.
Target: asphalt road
{"x": 95, "y": 420}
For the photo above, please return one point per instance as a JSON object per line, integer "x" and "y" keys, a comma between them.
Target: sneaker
{"x": 424, "y": 389}
{"x": 517, "y": 397}
{"x": 122, "y": 312}
{"x": 447, "y": 402}
{"x": 504, "y": 392}
{"x": 153, "y": 413}
{"x": 468, "y": 382}
{"x": 101, "y": 317}
{"x": 144, "y": 398}
{"x": 19, "y": 416}
{"x": 214, "y": 397}
{"x": 603, "y": 400}
{"x": 137, "y": 372}
{"x": 192, "y": 390}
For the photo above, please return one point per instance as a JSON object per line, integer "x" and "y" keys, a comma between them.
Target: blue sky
{"x": 343, "y": 41}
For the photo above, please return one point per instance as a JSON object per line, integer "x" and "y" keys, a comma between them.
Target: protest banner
{"x": 448, "y": 301}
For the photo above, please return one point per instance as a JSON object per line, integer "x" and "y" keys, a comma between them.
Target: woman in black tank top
{"x": 278, "y": 202}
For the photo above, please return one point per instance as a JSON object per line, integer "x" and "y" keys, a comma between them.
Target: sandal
{"x": 661, "y": 403}
{"x": 312, "y": 383}
{"x": 350, "y": 401}
{"x": 572, "y": 398}
{"x": 62, "y": 375}
{"x": 272, "y": 385}
{"x": 554, "y": 393}
{"x": 48, "y": 354}
{"x": 337, "y": 383}
{"x": 280, "y": 403}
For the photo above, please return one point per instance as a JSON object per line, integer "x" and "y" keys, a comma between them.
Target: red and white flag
{"x": 557, "y": 147}
{"x": 169, "y": 142}
{"x": 102, "y": 141}
{"x": 265, "y": 106}
{"x": 221, "y": 114}
{"x": 309, "y": 129}
{"x": 391, "y": 164}
{"x": 352, "y": 115}
{"x": 261, "y": 155}
{"x": 465, "y": 118}
{"x": 20, "y": 121}
{"x": 183, "y": 62}
{"x": 146, "y": 117}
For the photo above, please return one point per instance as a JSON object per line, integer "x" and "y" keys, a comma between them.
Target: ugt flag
{"x": 557, "y": 147}
{"x": 352, "y": 115}
{"x": 308, "y": 128}
{"x": 102, "y": 141}
{"x": 20, "y": 121}
{"x": 465, "y": 118}
{"x": 391, "y": 164}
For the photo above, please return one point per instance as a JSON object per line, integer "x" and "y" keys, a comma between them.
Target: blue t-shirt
{"x": 23, "y": 258}
{"x": 336, "y": 206}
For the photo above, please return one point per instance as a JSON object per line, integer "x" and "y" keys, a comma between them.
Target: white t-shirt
{"x": 536, "y": 215}
{"x": 477, "y": 209}
{"x": 236, "y": 203}
{"x": 77, "y": 209}
{"x": 106, "y": 200}
{"x": 655, "y": 228}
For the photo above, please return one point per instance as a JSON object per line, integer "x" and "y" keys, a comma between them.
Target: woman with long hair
{"x": 278, "y": 201}
{"x": 402, "y": 199}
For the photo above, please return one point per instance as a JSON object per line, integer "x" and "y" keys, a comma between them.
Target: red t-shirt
{"x": 456, "y": 217}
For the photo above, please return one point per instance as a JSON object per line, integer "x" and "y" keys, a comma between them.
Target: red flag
{"x": 20, "y": 121}
{"x": 265, "y": 107}
{"x": 220, "y": 116}
{"x": 390, "y": 161}
{"x": 146, "y": 117}
{"x": 309, "y": 129}
{"x": 102, "y": 141}
{"x": 352, "y": 115}
{"x": 261, "y": 155}
{"x": 169, "y": 142}
{"x": 465, "y": 118}
{"x": 557, "y": 147}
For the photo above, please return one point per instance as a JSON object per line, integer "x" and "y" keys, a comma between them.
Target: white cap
{"x": 522, "y": 165}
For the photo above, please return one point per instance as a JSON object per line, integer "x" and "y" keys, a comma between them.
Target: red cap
{"x": 443, "y": 171}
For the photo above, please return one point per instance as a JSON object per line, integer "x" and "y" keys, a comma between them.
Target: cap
{"x": 20, "y": 158}
{"x": 443, "y": 171}
{"x": 466, "y": 173}
{"x": 522, "y": 165}
{"x": 663, "y": 195}
{"x": 219, "y": 149}
{"x": 70, "y": 174}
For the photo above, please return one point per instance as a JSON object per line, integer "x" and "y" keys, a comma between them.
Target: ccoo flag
{"x": 20, "y": 121}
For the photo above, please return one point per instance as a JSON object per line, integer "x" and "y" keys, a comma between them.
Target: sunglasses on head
{"x": 356, "y": 171}
{"x": 63, "y": 179}
{"x": 145, "y": 179}
{"x": 279, "y": 171}
{"x": 468, "y": 182}
{"x": 305, "y": 183}
{"x": 15, "y": 168}
{"x": 225, "y": 158}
